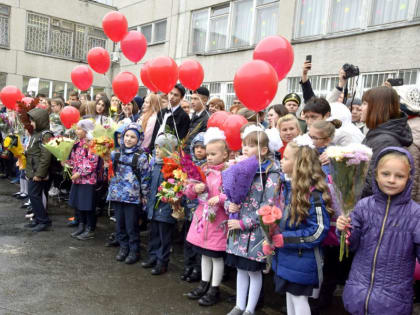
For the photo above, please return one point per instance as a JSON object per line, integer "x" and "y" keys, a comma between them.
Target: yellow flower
{"x": 6, "y": 142}
{"x": 176, "y": 188}
{"x": 178, "y": 174}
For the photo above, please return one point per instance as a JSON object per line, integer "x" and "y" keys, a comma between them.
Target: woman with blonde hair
{"x": 289, "y": 129}
{"x": 148, "y": 117}
{"x": 215, "y": 105}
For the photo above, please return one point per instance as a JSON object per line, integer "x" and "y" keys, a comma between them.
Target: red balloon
{"x": 163, "y": 73}
{"x": 255, "y": 84}
{"x": 232, "y": 129}
{"x": 9, "y": 95}
{"x": 191, "y": 74}
{"x": 125, "y": 86}
{"x": 115, "y": 25}
{"x": 27, "y": 100}
{"x": 98, "y": 59}
{"x": 69, "y": 116}
{"x": 134, "y": 46}
{"x": 82, "y": 77}
{"x": 144, "y": 75}
{"x": 278, "y": 52}
{"x": 217, "y": 119}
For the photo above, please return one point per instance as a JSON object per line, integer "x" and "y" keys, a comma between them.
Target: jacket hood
{"x": 118, "y": 132}
{"x": 136, "y": 128}
{"x": 398, "y": 128}
{"x": 405, "y": 195}
{"x": 198, "y": 138}
{"x": 41, "y": 118}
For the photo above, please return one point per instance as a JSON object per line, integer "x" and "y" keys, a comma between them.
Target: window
{"x": 321, "y": 85}
{"x": 4, "y": 25}
{"x": 389, "y": 11}
{"x": 61, "y": 38}
{"x": 312, "y": 17}
{"x": 58, "y": 89}
{"x": 237, "y": 24}
{"x": 154, "y": 32}
{"x": 230, "y": 96}
{"x": 346, "y": 15}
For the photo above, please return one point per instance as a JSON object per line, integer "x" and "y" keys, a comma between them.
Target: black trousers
{"x": 160, "y": 241}
{"x": 191, "y": 258}
{"x": 37, "y": 191}
{"x": 127, "y": 227}
{"x": 88, "y": 218}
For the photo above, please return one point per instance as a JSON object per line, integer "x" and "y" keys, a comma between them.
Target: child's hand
{"x": 323, "y": 158}
{"x": 75, "y": 176}
{"x": 233, "y": 225}
{"x": 199, "y": 188}
{"x": 233, "y": 207}
{"x": 213, "y": 201}
{"x": 37, "y": 179}
{"x": 343, "y": 222}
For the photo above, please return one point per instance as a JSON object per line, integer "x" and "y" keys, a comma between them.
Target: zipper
{"x": 372, "y": 276}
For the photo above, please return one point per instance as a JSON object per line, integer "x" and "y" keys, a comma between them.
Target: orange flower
{"x": 169, "y": 165}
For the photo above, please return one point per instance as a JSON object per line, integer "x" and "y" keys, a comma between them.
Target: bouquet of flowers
{"x": 269, "y": 218}
{"x": 14, "y": 145}
{"x": 349, "y": 166}
{"x": 237, "y": 181}
{"x": 102, "y": 145}
{"x": 61, "y": 148}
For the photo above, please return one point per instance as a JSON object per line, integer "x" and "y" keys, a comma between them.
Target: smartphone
{"x": 396, "y": 82}
{"x": 309, "y": 59}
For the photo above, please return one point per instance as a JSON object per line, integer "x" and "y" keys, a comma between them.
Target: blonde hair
{"x": 91, "y": 108}
{"x": 287, "y": 118}
{"x": 153, "y": 108}
{"x": 327, "y": 127}
{"x": 222, "y": 143}
{"x": 307, "y": 174}
{"x": 218, "y": 103}
{"x": 257, "y": 137}
{"x": 393, "y": 155}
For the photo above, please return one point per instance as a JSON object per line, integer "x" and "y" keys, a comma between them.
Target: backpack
{"x": 133, "y": 164}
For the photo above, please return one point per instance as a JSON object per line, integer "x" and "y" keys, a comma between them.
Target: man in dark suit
{"x": 199, "y": 99}
{"x": 172, "y": 117}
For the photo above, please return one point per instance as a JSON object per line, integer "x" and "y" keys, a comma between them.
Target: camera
{"x": 350, "y": 70}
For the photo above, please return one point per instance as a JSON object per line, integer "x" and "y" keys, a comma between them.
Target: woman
{"x": 387, "y": 125}
{"x": 129, "y": 112}
{"x": 274, "y": 113}
{"x": 148, "y": 117}
{"x": 102, "y": 111}
{"x": 215, "y": 105}
{"x": 289, "y": 129}
{"x": 115, "y": 104}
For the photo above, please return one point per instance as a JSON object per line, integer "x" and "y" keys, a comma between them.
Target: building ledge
{"x": 222, "y": 52}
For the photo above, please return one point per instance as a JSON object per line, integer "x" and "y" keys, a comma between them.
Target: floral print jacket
{"x": 83, "y": 162}
{"x": 247, "y": 242}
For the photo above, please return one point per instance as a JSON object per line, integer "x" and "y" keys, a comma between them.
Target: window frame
{"x": 7, "y": 16}
{"x": 153, "y": 35}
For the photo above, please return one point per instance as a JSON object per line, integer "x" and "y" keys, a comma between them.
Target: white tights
{"x": 209, "y": 264}
{"x": 297, "y": 305}
{"x": 253, "y": 281}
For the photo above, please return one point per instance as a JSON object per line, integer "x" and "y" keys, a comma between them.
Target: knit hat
{"x": 87, "y": 125}
{"x": 410, "y": 96}
{"x": 166, "y": 141}
{"x": 291, "y": 97}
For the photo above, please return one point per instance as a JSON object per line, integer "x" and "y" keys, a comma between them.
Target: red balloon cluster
{"x": 134, "y": 46}
{"x": 69, "y": 116}
{"x": 163, "y": 73}
{"x": 82, "y": 77}
{"x": 125, "y": 86}
{"x": 231, "y": 126}
{"x": 144, "y": 75}
{"x": 191, "y": 74}
{"x": 9, "y": 95}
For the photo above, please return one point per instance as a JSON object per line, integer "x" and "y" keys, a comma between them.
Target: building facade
{"x": 38, "y": 39}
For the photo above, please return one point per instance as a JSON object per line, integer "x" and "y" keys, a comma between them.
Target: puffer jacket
{"x": 203, "y": 233}
{"x": 393, "y": 133}
{"x": 124, "y": 185}
{"x": 38, "y": 158}
{"x": 247, "y": 242}
{"x": 300, "y": 259}
{"x": 83, "y": 162}
{"x": 385, "y": 236}
{"x": 414, "y": 149}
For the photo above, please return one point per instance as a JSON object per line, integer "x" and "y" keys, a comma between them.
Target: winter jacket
{"x": 348, "y": 133}
{"x": 163, "y": 212}
{"x": 83, "y": 162}
{"x": 38, "y": 158}
{"x": 195, "y": 121}
{"x": 125, "y": 186}
{"x": 395, "y": 132}
{"x": 203, "y": 233}
{"x": 307, "y": 90}
{"x": 414, "y": 149}
{"x": 247, "y": 242}
{"x": 56, "y": 126}
{"x": 385, "y": 237}
{"x": 300, "y": 259}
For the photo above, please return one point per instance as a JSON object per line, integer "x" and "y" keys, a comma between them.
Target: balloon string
{"x": 160, "y": 109}
{"x": 204, "y": 106}
{"x": 107, "y": 80}
{"x": 173, "y": 119}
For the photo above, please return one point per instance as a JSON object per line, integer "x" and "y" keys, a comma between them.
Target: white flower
{"x": 213, "y": 133}
{"x": 274, "y": 140}
{"x": 302, "y": 141}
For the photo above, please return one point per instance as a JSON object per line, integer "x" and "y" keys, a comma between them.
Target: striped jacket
{"x": 300, "y": 260}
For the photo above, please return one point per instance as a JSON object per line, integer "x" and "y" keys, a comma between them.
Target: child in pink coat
{"x": 207, "y": 232}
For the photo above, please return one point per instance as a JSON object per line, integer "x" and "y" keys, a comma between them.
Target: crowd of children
{"x": 383, "y": 231}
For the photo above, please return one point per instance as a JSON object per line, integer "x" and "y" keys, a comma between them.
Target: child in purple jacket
{"x": 384, "y": 233}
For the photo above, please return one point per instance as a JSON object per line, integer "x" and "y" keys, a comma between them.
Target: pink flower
{"x": 164, "y": 199}
{"x": 278, "y": 240}
{"x": 265, "y": 210}
{"x": 268, "y": 219}
{"x": 171, "y": 181}
{"x": 160, "y": 188}
{"x": 267, "y": 249}
{"x": 276, "y": 213}
{"x": 179, "y": 194}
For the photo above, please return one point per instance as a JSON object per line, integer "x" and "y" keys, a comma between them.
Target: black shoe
{"x": 132, "y": 258}
{"x": 41, "y": 227}
{"x": 112, "y": 243}
{"x": 31, "y": 225}
{"x": 149, "y": 264}
{"x": 73, "y": 223}
{"x": 195, "y": 276}
{"x": 80, "y": 230}
{"x": 122, "y": 254}
{"x": 211, "y": 297}
{"x": 86, "y": 235}
{"x": 159, "y": 270}
{"x": 186, "y": 273}
{"x": 199, "y": 291}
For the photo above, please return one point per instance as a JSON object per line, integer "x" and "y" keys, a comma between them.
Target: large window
{"x": 317, "y": 18}
{"x": 61, "y": 38}
{"x": 236, "y": 24}
{"x": 154, "y": 32}
{"x": 4, "y": 25}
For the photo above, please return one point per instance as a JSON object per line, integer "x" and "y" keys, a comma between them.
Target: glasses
{"x": 317, "y": 139}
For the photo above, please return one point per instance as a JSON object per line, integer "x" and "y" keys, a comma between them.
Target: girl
{"x": 384, "y": 234}
{"x": 244, "y": 249}
{"x": 148, "y": 117}
{"x": 82, "y": 193}
{"x": 102, "y": 111}
{"x": 274, "y": 113}
{"x": 128, "y": 190}
{"x": 289, "y": 129}
{"x": 306, "y": 219}
{"x": 129, "y": 112}
{"x": 206, "y": 234}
